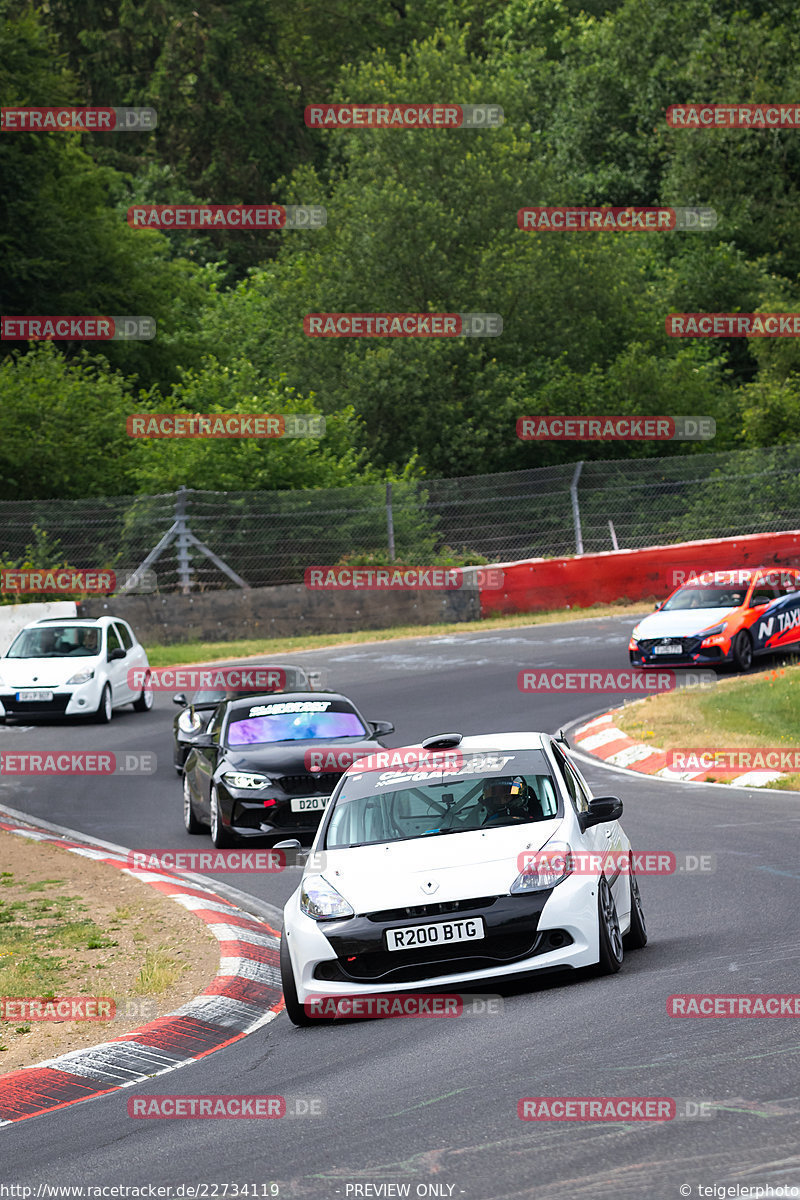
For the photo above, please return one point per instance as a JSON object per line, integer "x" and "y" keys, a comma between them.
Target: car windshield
{"x": 296, "y": 681}
{"x": 705, "y": 597}
{"x": 392, "y": 806}
{"x": 293, "y": 721}
{"x": 57, "y": 641}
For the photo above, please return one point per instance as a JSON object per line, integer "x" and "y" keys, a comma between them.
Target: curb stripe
{"x": 243, "y": 996}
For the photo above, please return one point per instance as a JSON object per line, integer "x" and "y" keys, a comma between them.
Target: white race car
{"x": 66, "y": 666}
{"x": 495, "y": 861}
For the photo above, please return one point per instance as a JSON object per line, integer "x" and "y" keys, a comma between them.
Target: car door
{"x": 132, "y": 659}
{"x": 205, "y": 759}
{"x": 597, "y": 839}
{"x": 117, "y": 667}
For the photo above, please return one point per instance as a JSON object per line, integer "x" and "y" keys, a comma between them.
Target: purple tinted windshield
{"x": 286, "y": 727}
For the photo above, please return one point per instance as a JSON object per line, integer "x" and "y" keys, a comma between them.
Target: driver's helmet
{"x": 501, "y": 792}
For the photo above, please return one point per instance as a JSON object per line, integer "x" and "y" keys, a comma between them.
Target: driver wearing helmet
{"x": 505, "y": 800}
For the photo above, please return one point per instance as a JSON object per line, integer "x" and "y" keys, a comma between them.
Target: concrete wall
{"x": 286, "y": 611}
{"x": 14, "y": 617}
{"x": 546, "y": 583}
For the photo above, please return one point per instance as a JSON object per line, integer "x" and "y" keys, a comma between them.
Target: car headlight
{"x": 82, "y": 676}
{"x": 321, "y": 901}
{"x": 712, "y": 635}
{"x": 246, "y": 779}
{"x": 189, "y": 722}
{"x": 545, "y": 869}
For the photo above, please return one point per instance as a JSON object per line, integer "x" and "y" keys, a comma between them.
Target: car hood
{"x": 288, "y": 758}
{"x": 682, "y": 623}
{"x": 462, "y": 865}
{"x": 42, "y": 672}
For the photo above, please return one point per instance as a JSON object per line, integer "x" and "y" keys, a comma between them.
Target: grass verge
{"x": 758, "y": 710}
{"x": 186, "y": 653}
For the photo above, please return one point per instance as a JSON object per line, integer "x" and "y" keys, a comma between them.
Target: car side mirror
{"x": 116, "y": 654}
{"x": 382, "y": 728}
{"x": 602, "y": 808}
{"x": 180, "y": 698}
{"x": 206, "y": 740}
{"x": 656, "y": 607}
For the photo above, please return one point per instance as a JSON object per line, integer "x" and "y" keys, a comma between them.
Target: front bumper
{"x": 69, "y": 701}
{"x": 691, "y": 655}
{"x": 544, "y": 931}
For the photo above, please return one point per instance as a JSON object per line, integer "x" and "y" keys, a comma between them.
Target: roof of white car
{"x": 73, "y": 621}
{"x": 503, "y": 741}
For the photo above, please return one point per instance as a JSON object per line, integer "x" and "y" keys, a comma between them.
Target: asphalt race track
{"x": 432, "y": 1104}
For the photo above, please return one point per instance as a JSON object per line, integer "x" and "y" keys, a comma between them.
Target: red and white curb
{"x": 244, "y": 995}
{"x": 604, "y": 740}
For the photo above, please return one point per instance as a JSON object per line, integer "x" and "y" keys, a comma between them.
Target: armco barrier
{"x": 539, "y": 584}
{"x": 14, "y": 617}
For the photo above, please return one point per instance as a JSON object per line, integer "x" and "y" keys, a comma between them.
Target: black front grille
{"x": 310, "y": 785}
{"x": 32, "y": 707}
{"x": 383, "y": 966}
{"x": 430, "y": 910}
{"x": 687, "y": 645}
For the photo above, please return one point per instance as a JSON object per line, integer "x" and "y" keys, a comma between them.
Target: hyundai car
{"x": 66, "y": 667}
{"x": 257, "y": 771}
{"x": 721, "y": 618}
{"x": 498, "y": 865}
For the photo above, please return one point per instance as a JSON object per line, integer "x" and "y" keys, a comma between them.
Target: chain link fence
{"x": 271, "y": 537}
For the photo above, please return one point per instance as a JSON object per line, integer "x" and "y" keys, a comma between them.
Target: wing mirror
{"x": 180, "y": 698}
{"x": 116, "y": 654}
{"x": 382, "y": 728}
{"x": 602, "y": 808}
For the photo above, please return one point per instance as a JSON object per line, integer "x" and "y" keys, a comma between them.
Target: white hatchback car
{"x": 535, "y": 874}
{"x": 66, "y": 667}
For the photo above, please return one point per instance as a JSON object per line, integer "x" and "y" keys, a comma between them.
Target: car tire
{"x": 219, "y": 834}
{"x": 294, "y": 1009}
{"x": 742, "y": 650}
{"x": 610, "y": 938}
{"x": 190, "y": 821}
{"x": 636, "y": 937}
{"x": 104, "y": 710}
{"x": 145, "y": 701}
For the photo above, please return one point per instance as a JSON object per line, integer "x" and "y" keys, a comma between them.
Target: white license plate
{"x": 34, "y": 694}
{"x": 309, "y": 803}
{"x": 411, "y": 937}
{"x": 669, "y": 648}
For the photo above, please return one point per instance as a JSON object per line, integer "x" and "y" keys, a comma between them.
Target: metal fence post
{"x": 389, "y": 519}
{"x": 576, "y": 512}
